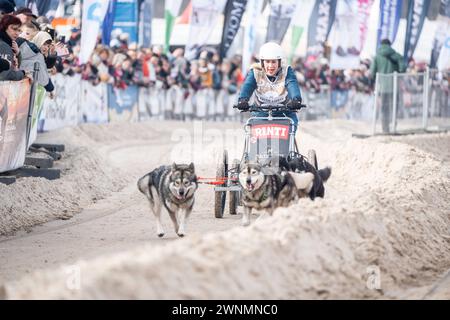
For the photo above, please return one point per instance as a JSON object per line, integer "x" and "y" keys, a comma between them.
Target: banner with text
{"x": 320, "y": 22}
{"x": 234, "y": 11}
{"x": 145, "y": 23}
{"x": 93, "y": 14}
{"x": 14, "y": 100}
{"x": 123, "y": 104}
{"x": 126, "y": 19}
{"x": 390, "y": 13}
{"x": 62, "y": 111}
{"x": 417, "y": 11}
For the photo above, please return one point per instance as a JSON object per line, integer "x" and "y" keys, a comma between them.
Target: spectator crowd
{"x": 26, "y": 39}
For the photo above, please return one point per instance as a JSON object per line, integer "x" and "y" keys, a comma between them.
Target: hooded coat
{"x": 387, "y": 61}
{"x": 30, "y": 54}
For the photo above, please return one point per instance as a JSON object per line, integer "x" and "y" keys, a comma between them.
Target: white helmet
{"x": 271, "y": 51}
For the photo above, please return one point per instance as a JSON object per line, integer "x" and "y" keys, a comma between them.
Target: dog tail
{"x": 143, "y": 185}
{"x": 325, "y": 173}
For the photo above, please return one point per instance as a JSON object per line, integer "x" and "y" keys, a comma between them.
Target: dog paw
{"x": 245, "y": 223}
{"x": 160, "y": 235}
{"x": 180, "y": 234}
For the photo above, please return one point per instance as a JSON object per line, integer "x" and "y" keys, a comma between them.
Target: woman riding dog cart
{"x": 272, "y": 83}
{"x": 270, "y": 131}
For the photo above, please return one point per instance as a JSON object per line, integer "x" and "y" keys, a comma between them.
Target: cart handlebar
{"x": 273, "y": 107}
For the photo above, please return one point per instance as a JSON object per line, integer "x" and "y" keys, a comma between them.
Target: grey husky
{"x": 267, "y": 187}
{"x": 172, "y": 187}
{"x": 264, "y": 188}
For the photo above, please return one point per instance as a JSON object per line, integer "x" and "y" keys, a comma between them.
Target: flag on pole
{"x": 441, "y": 37}
{"x": 234, "y": 10}
{"x": 281, "y": 12}
{"x": 205, "y": 14}
{"x": 254, "y": 8}
{"x": 43, "y": 7}
{"x": 185, "y": 17}
{"x": 349, "y": 33}
{"x": 145, "y": 23}
{"x": 94, "y": 12}
{"x": 417, "y": 11}
{"x": 21, "y": 3}
{"x": 443, "y": 62}
{"x": 108, "y": 23}
{"x": 320, "y": 22}
{"x": 299, "y": 22}
{"x": 126, "y": 19}
{"x": 364, "y": 9}
{"x": 390, "y": 13}
{"x": 60, "y": 10}
{"x": 170, "y": 13}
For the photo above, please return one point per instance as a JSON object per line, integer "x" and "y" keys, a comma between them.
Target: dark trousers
{"x": 386, "y": 111}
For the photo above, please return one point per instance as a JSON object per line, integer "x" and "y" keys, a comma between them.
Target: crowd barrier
{"x": 338, "y": 104}
{"x": 79, "y": 101}
{"x": 410, "y": 102}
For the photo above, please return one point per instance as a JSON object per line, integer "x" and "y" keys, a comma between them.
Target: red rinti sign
{"x": 270, "y": 131}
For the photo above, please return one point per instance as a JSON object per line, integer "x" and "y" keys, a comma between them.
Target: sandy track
{"x": 121, "y": 221}
{"x": 386, "y": 208}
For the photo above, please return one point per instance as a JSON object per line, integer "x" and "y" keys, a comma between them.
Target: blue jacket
{"x": 250, "y": 85}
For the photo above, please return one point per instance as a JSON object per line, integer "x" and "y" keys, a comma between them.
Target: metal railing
{"x": 402, "y": 102}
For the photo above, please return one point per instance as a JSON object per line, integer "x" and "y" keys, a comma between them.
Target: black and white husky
{"x": 266, "y": 187}
{"x": 173, "y": 188}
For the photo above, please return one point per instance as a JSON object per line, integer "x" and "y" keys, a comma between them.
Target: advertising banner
{"x": 390, "y": 13}
{"x": 123, "y": 104}
{"x": 62, "y": 111}
{"x": 93, "y": 103}
{"x": 320, "y": 23}
{"x": 417, "y": 11}
{"x": 14, "y": 100}
{"x": 234, "y": 10}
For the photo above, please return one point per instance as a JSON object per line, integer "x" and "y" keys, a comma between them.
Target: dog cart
{"x": 265, "y": 137}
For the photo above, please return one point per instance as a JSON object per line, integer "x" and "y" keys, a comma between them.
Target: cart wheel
{"x": 220, "y": 196}
{"x": 235, "y": 196}
{"x": 312, "y": 159}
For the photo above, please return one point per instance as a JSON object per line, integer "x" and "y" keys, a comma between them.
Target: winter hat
{"x": 40, "y": 38}
{"x": 6, "y": 6}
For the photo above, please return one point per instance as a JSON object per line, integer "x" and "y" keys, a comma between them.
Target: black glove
{"x": 243, "y": 104}
{"x": 295, "y": 104}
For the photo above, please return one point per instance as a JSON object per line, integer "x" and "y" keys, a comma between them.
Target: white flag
{"x": 205, "y": 14}
{"x": 348, "y": 33}
{"x": 299, "y": 23}
{"x": 443, "y": 62}
{"x": 254, "y": 8}
{"x": 94, "y": 12}
{"x": 170, "y": 13}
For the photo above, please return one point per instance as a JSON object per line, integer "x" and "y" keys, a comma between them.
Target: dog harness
{"x": 264, "y": 196}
